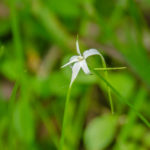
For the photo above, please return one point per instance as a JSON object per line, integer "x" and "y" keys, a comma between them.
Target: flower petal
{"x": 91, "y": 52}
{"x": 72, "y": 60}
{"x": 77, "y": 46}
{"x": 84, "y": 67}
{"x": 75, "y": 70}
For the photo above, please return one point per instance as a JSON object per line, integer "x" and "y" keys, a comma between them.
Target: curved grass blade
{"x": 121, "y": 98}
{"x": 109, "y": 69}
{"x": 132, "y": 119}
{"x": 108, "y": 88}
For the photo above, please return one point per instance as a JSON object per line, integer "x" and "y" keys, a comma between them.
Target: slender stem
{"x": 106, "y": 76}
{"x": 110, "y": 100}
{"x": 65, "y": 119}
{"x": 107, "y": 69}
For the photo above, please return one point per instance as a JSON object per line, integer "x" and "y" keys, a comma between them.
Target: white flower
{"x": 80, "y": 61}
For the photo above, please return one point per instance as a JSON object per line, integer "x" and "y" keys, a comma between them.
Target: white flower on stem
{"x": 79, "y": 61}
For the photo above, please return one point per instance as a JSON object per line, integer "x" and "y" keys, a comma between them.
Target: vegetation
{"x": 37, "y": 37}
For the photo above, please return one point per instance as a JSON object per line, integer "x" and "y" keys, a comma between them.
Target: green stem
{"x": 65, "y": 119}
{"x": 108, "y": 88}
{"x": 107, "y": 69}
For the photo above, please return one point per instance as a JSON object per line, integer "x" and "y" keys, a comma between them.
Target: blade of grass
{"x": 108, "y": 88}
{"x": 130, "y": 56}
{"x": 131, "y": 119}
{"x": 108, "y": 69}
{"x": 121, "y": 98}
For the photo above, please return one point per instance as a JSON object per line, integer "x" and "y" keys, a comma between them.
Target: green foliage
{"x": 23, "y": 121}
{"x": 37, "y": 37}
{"x": 100, "y": 132}
{"x": 123, "y": 82}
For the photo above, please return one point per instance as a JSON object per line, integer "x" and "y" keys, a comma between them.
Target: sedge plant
{"x": 79, "y": 62}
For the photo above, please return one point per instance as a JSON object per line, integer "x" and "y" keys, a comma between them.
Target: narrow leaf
{"x": 122, "y": 99}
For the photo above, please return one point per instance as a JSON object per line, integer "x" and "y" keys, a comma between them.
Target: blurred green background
{"x": 37, "y": 37}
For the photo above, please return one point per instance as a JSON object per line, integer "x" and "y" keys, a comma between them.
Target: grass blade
{"x": 109, "y": 69}
{"x": 108, "y": 88}
{"x": 121, "y": 98}
{"x": 132, "y": 118}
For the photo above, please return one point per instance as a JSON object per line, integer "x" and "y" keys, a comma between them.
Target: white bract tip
{"x": 78, "y": 49}
{"x": 79, "y": 62}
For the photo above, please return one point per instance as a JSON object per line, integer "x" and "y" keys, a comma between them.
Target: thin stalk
{"x": 108, "y": 88}
{"x": 109, "y": 69}
{"x": 65, "y": 119}
{"x": 121, "y": 98}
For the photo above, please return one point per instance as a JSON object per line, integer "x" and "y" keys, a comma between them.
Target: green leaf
{"x": 100, "y": 132}
{"x": 24, "y": 122}
{"x": 65, "y": 8}
{"x": 122, "y": 82}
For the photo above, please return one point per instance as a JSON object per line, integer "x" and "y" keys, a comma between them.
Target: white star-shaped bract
{"x": 79, "y": 61}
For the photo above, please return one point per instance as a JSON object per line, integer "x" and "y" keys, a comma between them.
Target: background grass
{"x": 37, "y": 37}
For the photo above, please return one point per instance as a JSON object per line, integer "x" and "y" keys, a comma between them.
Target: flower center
{"x": 80, "y": 58}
